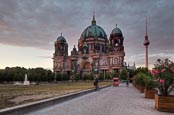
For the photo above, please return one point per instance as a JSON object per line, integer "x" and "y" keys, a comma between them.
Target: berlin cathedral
{"x": 95, "y": 52}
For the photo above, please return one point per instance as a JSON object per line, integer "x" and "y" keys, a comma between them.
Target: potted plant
{"x": 149, "y": 91}
{"x": 135, "y": 81}
{"x": 141, "y": 81}
{"x": 164, "y": 74}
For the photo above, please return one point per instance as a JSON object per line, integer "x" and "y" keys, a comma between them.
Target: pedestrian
{"x": 96, "y": 80}
{"x": 127, "y": 82}
{"x": 72, "y": 78}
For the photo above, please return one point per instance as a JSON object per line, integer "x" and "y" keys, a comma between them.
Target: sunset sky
{"x": 29, "y": 28}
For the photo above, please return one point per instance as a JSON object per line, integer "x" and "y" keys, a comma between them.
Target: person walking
{"x": 96, "y": 80}
{"x": 127, "y": 82}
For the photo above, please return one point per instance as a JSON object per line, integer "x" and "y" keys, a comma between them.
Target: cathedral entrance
{"x": 86, "y": 68}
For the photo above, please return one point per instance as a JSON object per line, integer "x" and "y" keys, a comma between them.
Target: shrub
{"x": 64, "y": 77}
{"x": 91, "y": 76}
{"x": 164, "y": 72}
{"x": 123, "y": 75}
{"x": 58, "y": 77}
{"x": 77, "y": 77}
{"x": 149, "y": 82}
{"x": 115, "y": 74}
{"x": 107, "y": 76}
{"x": 85, "y": 77}
{"x": 140, "y": 79}
{"x": 141, "y": 70}
{"x": 100, "y": 76}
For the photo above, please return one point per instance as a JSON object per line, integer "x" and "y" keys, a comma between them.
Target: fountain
{"x": 26, "y": 82}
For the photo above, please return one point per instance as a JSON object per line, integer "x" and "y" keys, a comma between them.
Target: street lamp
{"x": 96, "y": 70}
{"x": 72, "y": 76}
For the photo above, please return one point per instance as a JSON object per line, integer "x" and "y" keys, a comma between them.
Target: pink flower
{"x": 154, "y": 72}
{"x": 163, "y": 70}
{"x": 161, "y": 81}
{"x": 172, "y": 69}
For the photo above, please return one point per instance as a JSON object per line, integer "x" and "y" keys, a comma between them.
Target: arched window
{"x": 104, "y": 62}
{"x": 116, "y": 43}
{"x": 101, "y": 61}
{"x": 101, "y": 35}
{"x": 100, "y": 47}
{"x": 115, "y": 61}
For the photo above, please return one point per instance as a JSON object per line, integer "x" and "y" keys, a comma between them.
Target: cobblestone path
{"x": 120, "y": 100}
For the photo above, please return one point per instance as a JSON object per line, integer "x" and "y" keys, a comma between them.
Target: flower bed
{"x": 164, "y": 74}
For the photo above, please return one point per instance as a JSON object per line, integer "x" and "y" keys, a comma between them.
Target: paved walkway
{"x": 120, "y": 100}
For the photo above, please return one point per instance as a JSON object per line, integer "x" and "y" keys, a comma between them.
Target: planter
{"x": 164, "y": 103}
{"x": 150, "y": 94}
{"x": 138, "y": 87}
{"x": 142, "y": 89}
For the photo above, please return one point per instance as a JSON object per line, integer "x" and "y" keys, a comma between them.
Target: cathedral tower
{"x": 116, "y": 40}
{"x": 61, "y": 46}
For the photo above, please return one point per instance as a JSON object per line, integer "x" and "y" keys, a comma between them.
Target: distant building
{"x": 95, "y": 52}
{"x": 130, "y": 67}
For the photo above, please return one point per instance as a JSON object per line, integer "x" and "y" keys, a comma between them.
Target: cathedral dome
{"x": 94, "y": 31}
{"x": 116, "y": 31}
{"x": 61, "y": 39}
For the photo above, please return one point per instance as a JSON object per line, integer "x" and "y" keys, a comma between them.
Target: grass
{"x": 11, "y": 95}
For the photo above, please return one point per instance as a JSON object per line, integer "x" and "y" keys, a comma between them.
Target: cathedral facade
{"x": 95, "y": 52}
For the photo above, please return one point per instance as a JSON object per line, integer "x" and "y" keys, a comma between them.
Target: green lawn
{"x": 11, "y": 95}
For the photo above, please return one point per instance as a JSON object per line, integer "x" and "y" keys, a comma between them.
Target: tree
{"x": 142, "y": 70}
{"x": 124, "y": 74}
{"x": 77, "y": 77}
{"x": 58, "y": 77}
{"x": 107, "y": 76}
{"x": 40, "y": 74}
{"x": 1, "y": 75}
{"x": 115, "y": 74}
{"x": 50, "y": 75}
{"x": 85, "y": 77}
{"x": 101, "y": 76}
{"x": 91, "y": 76}
{"x": 18, "y": 74}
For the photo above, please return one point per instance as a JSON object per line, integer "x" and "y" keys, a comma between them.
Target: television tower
{"x": 146, "y": 44}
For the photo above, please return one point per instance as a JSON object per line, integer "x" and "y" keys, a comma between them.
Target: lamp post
{"x": 96, "y": 70}
{"x": 104, "y": 74}
{"x": 55, "y": 76}
{"x": 72, "y": 76}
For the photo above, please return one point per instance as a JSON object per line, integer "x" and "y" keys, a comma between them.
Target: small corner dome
{"x": 61, "y": 39}
{"x": 117, "y": 31}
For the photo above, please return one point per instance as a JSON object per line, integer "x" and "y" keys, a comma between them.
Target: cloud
{"x": 37, "y": 23}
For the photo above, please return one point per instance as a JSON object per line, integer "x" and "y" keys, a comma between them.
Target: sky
{"x": 29, "y": 28}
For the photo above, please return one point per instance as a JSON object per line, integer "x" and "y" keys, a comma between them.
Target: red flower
{"x": 154, "y": 72}
{"x": 161, "y": 81}
{"x": 162, "y": 65}
{"x": 172, "y": 69}
{"x": 163, "y": 70}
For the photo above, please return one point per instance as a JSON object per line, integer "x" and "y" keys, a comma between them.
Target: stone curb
{"x": 26, "y": 108}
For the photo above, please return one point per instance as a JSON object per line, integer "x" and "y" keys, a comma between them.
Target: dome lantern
{"x": 61, "y": 39}
{"x": 93, "y": 20}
